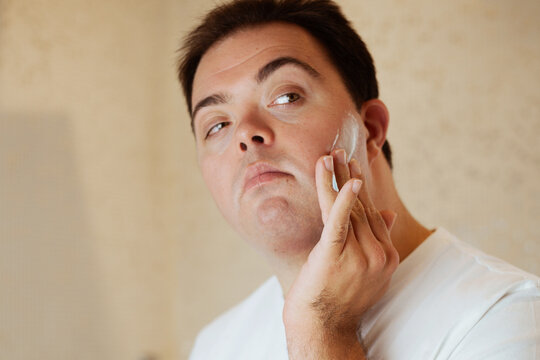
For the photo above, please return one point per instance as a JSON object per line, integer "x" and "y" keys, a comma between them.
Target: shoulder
{"x": 451, "y": 296}
{"x": 236, "y": 324}
{"x": 501, "y": 306}
{"x": 471, "y": 277}
{"x": 459, "y": 262}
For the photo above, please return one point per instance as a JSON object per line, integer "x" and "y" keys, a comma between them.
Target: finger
{"x": 392, "y": 257}
{"x": 380, "y": 252}
{"x": 324, "y": 171}
{"x": 376, "y": 222}
{"x": 341, "y": 168}
{"x": 336, "y": 229}
{"x": 356, "y": 173}
{"x": 355, "y": 169}
{"x": 359, "y": 217}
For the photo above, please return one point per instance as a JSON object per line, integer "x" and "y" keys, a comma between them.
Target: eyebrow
{"x": 262, "y": 75}
{"x": 215, "y": 99}
{"x": 275, "y": 64}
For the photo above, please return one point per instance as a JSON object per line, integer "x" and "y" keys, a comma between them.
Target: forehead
{"x": 243, "y": 52}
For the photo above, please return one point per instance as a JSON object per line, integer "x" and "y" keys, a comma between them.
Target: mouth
{"x": 261, "y": 173}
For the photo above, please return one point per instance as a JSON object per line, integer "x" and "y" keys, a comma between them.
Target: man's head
{"x": 268, "y": 98}
{"x": 321, "y": 18}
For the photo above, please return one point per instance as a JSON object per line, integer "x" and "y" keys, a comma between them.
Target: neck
{"x": 407, "y": 233}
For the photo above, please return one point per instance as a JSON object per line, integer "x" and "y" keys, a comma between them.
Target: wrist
{"x": 310, "y": 340}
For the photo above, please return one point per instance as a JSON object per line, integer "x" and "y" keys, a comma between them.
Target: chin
{"x": 283, "y": 231}
{"x": 274, "y": 212}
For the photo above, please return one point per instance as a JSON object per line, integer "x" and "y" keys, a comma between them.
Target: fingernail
{"x": 356, "y": 186}
{"x": 341, "y": 156}
{"x": 329, "y": 163}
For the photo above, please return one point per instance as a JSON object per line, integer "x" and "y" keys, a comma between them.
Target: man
{"x": 284, "y": 105}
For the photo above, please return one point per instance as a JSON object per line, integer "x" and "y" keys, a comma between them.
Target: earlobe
{"x": 375, "y": 116}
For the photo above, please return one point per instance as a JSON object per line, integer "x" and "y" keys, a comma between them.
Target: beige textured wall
{"x": 88, "y": 269}
{"x": 110, "y": 246}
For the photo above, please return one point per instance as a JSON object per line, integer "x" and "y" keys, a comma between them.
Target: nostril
{"x": 243, "y": 146}
{"x": 258, "y": 139}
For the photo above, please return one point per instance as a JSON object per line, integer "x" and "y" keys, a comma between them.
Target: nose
{"x": 253, "y": 132}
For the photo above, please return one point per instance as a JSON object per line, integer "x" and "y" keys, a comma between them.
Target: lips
{"x": 260, "y": 173}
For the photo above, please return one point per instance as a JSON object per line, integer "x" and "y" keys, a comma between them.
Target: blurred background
{"x": 110, "y": 245}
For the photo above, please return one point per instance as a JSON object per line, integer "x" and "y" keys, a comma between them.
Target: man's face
{"x": 267, "y": 104}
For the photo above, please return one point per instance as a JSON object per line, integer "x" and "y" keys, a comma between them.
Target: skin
{"x": 334, "y": 253}
{"x": 347, "y": 136}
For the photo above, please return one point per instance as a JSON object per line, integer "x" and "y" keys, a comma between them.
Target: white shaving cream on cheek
{"x": 347, "y": 139}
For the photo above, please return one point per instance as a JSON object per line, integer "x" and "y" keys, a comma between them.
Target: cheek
{"x": 348, "y": 136}
{"x": 308, "y": 145}
{"x": 289, "y": 117}
{"x": 318, "y": 140}
{"x": 220, "y": 142}
{"x": 215, "y": 177}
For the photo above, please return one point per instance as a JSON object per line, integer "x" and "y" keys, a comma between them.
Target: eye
{"x": 286, "y": 99}
{"x": 216, "y": 128}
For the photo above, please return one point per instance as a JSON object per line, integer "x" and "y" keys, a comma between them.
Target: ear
{"x": 375, "y": 116}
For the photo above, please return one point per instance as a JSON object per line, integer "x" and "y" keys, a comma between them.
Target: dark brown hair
{"x": 321, "y": 18}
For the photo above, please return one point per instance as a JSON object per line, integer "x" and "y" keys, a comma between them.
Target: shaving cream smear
{"x": 347, "y": 139}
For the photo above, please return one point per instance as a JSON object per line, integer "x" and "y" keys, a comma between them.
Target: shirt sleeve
{"x": 509, "y": 330}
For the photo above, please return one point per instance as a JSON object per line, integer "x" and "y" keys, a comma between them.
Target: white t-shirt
{"x": 446, "y": 300}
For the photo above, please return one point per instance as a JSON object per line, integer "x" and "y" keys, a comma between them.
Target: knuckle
{"x": 341, "y": 230}
{"x": 393, "y": 257}
{"x": 378, "y": 258}
{"x": 392, "y": 261}
{"x": 359, "y": 265}
{"x": 368, "y": 210}
{"x": 381, "y": 223}
{"x": 358, "y": 216}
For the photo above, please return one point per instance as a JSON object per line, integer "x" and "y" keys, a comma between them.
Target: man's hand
{"x": 346, "y": 272}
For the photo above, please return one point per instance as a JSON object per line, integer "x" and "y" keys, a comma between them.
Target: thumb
{"x": 389, "y": 218}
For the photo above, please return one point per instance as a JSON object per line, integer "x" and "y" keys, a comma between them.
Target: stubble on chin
{"x": 279, "y": 230}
